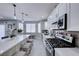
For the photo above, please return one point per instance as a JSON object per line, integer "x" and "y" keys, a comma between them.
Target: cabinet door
{"x": 62, "y": 8}
{"x": 54, "y": 18}
{"x": 74, "y": 17}
{"x": 50, "y": 20}
{"x": 55, "y": 14}
{"x": 49, "y": 24}
{"x": 9, "y": 52}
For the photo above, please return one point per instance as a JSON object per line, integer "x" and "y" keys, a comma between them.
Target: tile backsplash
{"x": 76, "y": 35}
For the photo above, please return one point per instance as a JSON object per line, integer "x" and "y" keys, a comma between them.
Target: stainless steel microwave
{"x": 62, "y": 22}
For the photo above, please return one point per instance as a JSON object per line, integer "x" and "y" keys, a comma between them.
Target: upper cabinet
{"x": 55, "y": 14}
{"x": 53, "y": 18}
{"x": 73, "y": 20}
{"x": 62, "y": 8}
{"x": 72, "y": 11}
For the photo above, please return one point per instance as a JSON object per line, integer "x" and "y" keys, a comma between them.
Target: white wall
{"x": 6, "y": 25}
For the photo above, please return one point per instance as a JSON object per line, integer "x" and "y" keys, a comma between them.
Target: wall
{"x": 6, "y": 22}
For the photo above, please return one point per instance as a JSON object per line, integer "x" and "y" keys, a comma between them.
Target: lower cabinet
{"x": 18, "y": 47}
{"x": 56, "y": 54}
{"x": 10, "y": 52}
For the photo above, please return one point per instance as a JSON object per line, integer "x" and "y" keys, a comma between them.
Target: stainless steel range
{"x": 58, "y": 42}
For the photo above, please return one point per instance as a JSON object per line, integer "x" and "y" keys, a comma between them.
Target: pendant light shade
{"x": 22, "y": 17}
{"x": 14, "y": 11}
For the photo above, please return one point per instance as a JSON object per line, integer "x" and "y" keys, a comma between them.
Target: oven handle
{"x": 53, "y": 51}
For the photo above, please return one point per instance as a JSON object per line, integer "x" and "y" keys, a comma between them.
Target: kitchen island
{"x": 10, "y": 46}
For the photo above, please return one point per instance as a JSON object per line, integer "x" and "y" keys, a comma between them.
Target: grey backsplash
{"x": 76, "y": 35}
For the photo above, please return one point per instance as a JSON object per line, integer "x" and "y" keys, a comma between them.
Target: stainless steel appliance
{"x": 58, "y": 42}
{"x": 45, "y": 32}
{"x": 62, "y": 22}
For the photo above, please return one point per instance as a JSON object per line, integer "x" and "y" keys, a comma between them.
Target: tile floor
{"x": 38, "y": 48}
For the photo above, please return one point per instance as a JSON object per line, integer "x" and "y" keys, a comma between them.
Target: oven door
{"x": 50, "y": 51}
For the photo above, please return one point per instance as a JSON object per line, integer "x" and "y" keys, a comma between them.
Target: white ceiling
{"x": 35, "y": 11}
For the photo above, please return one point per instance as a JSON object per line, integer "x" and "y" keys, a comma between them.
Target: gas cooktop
{"x": 58, "y": 43}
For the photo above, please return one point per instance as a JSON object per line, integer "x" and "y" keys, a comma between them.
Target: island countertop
{"x": 8, "y": 43}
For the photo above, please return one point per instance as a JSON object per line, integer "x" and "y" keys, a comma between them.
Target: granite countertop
{"x": 8, "y": 43}
{"x": 67, "y": 51}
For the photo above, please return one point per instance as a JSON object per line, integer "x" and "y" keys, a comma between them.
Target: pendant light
{"x": 23, "y": 14}
{"x": 22, "y": 17}
{"x": 14, "y": 11}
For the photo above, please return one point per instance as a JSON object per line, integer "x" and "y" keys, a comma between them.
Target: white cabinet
{"x": 53, "y": 18}
{"x": 62, "y": 8}
{"x": 55, "y": 14}
{"x": 10, "y": 46}
{"x": 10, "y": 52}
{"x": 72, "y": 10}
{"x": 73, "y": 17}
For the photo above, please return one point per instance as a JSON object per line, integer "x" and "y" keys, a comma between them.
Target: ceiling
{"x": 35, "y": 11}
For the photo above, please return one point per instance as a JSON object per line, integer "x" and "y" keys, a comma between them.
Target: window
{"x": 39, "y": 27}
{"x": 46, "y": 25}
{"x": 30, "y": 28}
{"x": 2, "y": 31}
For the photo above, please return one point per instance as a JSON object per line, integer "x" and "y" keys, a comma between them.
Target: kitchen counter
{"x": 47, "y": 36}
{"x": 63, "y": 51}
{"x": 9, "y": 43}
{"x": 67, "y": 51}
